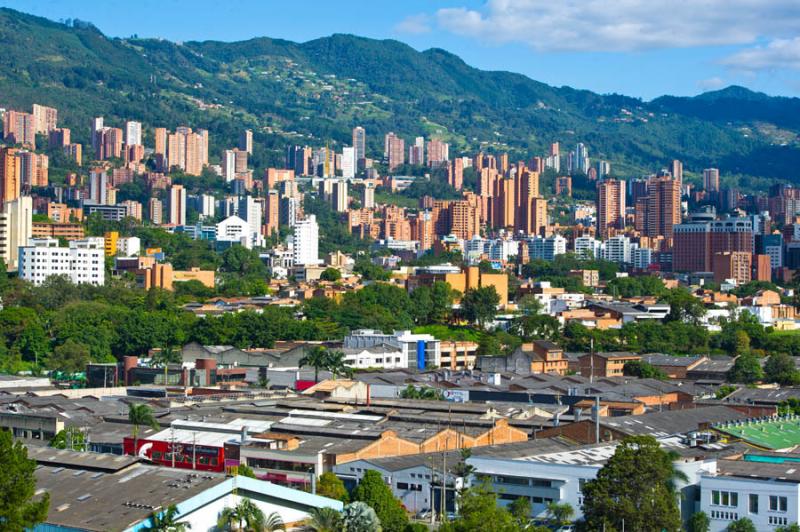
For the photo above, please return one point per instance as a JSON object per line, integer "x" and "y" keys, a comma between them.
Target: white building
{"x": 418, "y": 350}
{"x": 339, "y": 198}
{"x": 379, "y": 356}
{"x": 82, "y": 262}
{"x": 228, "y": 165}
{"x": 133, "y": 133}
{"x": 587, "y": 247}
{"x": 129, "y": 246}
{"x": 617, "y": 249}
{"x": 98, "y": 186}
{"x": 547, "y": 248}
{"x": 348, "y": 162}
{"x": 767, "y": 492}
{"x": 641, "y": 258}
{"x": 16, "y": 228}
{"x": 250, "y": 211}
{"x": 207, "y": 205}
{"x": 234, "y": 230}
{"x": 305, "y": 242}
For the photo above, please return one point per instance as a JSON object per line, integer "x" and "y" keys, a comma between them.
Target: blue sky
{"x": 642, "y": 48}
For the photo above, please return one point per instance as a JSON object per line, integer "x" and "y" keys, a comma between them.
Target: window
{"x": 402, "y": 485}
{"x": 724, "y": 498}
{"x": 753, "y": 503}
{"x": 778, "y": 504}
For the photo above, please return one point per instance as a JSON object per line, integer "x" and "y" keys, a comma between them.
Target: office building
{"x": 421, "y": 351}
{"x": 695, "y": 244}
{"x": 246, "y": 141}
{"x": 45, "y": 119}
{"x": 156, "y": 211}
{"x": 394, "y": 151}
{"x": 82, "y": 262}
{"x": 133, "y": 133}
{"x": 368, "y": 196}
{"x": 19, "y": 128}
{"x": 305, "y": 242}
{"x": 16, "y": 228}
{"x": 610, "y": 207}
{"x": 359, "y": 144}
{"x": 177, "y": 205}
{"x": 711, "y": 179}
{"x": 348, "y": 162}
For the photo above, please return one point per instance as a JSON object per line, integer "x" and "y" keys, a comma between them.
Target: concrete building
{"x": 82, "y": 262}
{"x": 359, "y": 144}
{"x": 419, "y": 350}
{"x": 348, "y": 162}
{"x": 610, "y": 207}
{"x": 305, "y": 242}
{"x": 133, "y": 133}
{"x": 176, "y": 202}
{"x": 16, "y": 228}
{"x": 711, "y": 179}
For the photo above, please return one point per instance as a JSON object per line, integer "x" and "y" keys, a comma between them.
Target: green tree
{"x": 477, "y": 508}
{"x": 520, "y": 509}
{"x": 140, "y": 415}
{"x": 480, "y": 305}
{"x": 794, "y": 527}
{"x": 635, "y": 486}
{"x": 316, "y": 358}
{"x": 742, "y": 525}
{"x": 330, "y": 274}
{"x": 373, "y": 491}
{"x": 725, "y": 390}
{"x": 360, "y": 517}
{"x": 780, "y": 369}
{"x": 164, "y": 357}
{"x": 641, "y": 369}
{"x": 244, "y": 470}
{"x": 325, "y": 520}
{"x": 560, "y": 514}
{"x": 18, "y": 510}
{"x": 684, "y": 306}
{"x": 699, "y": 522}
{"x": 335, "y": 363}
{"x": 745, "y": 370}
{"x": 69, "y": 357}
{"x": 69, "y": 438}
{"x": 247, "y": 517}
{"x": 167, "y": 521}
{"x": 331, "y": 486}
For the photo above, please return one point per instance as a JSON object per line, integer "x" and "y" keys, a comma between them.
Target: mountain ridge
{"x": 318, "y": 90}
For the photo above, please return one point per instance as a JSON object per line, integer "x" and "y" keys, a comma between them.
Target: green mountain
{"x": 317, "y": 91}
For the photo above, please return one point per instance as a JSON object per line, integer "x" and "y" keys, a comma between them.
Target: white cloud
{"x": 414, "y": 24}
{"x": 711, "y": 84}
{"x": 776, "y": 55}
{"x": 623, "y": 25}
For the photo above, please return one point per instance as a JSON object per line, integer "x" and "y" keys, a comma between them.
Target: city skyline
{"x": 628, "y": 48}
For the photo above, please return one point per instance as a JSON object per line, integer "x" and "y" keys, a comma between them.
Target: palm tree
{"x": 560, "y": 514}
{"x": 167, "y": 521}
{"x": 337, "y": 365}
{"x": 317, "y": 358}
{"x": 249, "y": 517}
{"x": 138, "y": 415}
{"x": 324, "y": 520}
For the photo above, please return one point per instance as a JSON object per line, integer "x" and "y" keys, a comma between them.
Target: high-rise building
{"x": 134, "y": 209}
{"x": 298, "y": 158}
{"x": 10, "y": 175}
{"x": 83, "y": 261}
{"x": 45, "y": 119}
{"x": 677, "y": 170}
{"x": 416, "y": 153}
{"x": 272, "y": 212}
{"x": 228, "y": 165}
{"x": 177, "y": 205}
{"x": 160, "y": 139}
{"x": 188, "y": 150}
{"x": 368, "y": 196}
{"x": 34, "y": 169}
{"x": 305, "y": 242}
{"x": 438, "y": 152}
{"x": 610, "y": 207}
{"x": 348, "y": 162}
{"x": 246, "y": 141}
{"x": 250, "y": 211}
{"x": 156, "y": 209}
{"x": 59, "y": 138}
{"x": 339, "y": 199}
{"x": 735, "y": 265}
{"x": 603, "y": 169}
{"x": 711, "y": 179}
{"x": 696, "y": 243}
{"x": 394, "y": 151}
{"x": 663, "y": 207}
{"x": 133, "y": 133}
{"x": 455, "y": 173}
{"x": 360, "y": 144}
{"x": 16, "y": 228}
{"x": 581, "y": 158}
{"x": 99, "y": 186}
{"x": 19, "y": 128}
{"x": 97, "y": 126}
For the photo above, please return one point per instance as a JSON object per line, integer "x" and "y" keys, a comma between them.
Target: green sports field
{"x": 773, "y": 434}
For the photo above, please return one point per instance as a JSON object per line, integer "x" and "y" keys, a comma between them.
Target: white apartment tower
{"x": 305, "y": 242}
{"x": 83, "y": 262}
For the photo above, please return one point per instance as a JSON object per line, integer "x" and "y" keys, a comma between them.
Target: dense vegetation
{"x": 322, "y": 88}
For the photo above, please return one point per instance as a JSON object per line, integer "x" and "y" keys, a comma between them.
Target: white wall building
{"x": 379, "y": 356}
{"x": 305, "y": 242}
{"x": 767, "y": 493}
{"x": 207, "y": 205}
{"x": 82, "y": 262}
{"x": 16, "y": 228}
{"x": 235, "y": 230}
{"x": 419, "y": 350}
{"x": 588, "y": 247}
{"x": 617, "y": 249}
{"x": 133, "y": 133}
{"x": 348, "y": 162}
{"x": 250, "y": 211}
{"x": 129, "y": 246}
{"x": 228, "y": 165}
{"x": 547, "y": 248}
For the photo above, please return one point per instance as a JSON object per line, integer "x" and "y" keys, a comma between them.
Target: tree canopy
{"x": 18, "y": 509}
